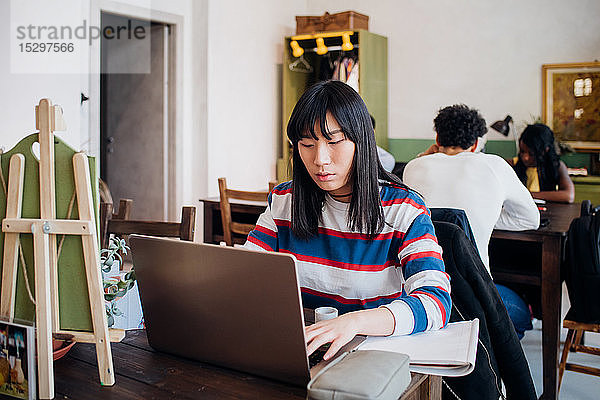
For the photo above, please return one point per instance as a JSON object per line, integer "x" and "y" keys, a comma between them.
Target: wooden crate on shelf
{"x": 347, "y": 20}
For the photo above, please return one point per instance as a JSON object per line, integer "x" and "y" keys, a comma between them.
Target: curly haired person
{"x": 451, "y": 174}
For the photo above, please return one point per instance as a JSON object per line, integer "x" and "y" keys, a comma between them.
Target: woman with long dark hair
{"x": 539, "y": 167}
{"x": 364, "y": 242}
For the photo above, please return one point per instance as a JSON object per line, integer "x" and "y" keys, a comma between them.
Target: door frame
{"x": 173, "y": 136}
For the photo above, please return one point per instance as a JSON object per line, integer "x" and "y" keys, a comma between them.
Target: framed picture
{"x": 571, "y": 103}
{"x": 17, "y": 361}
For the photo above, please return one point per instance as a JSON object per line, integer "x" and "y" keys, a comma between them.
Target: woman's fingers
{"x": 317, "y": 342}
{"x": 337, "y": 331}
{"x": 336, "y": 345}
{"x": 315, "y": 329}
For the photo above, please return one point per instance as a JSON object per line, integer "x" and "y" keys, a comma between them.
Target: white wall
{"x": 486, "y": 54}
{"x": 244, "y": 95}
{"x": 21, "y": 92}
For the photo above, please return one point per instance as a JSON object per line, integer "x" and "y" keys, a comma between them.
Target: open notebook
{"x": 448, "y": 352}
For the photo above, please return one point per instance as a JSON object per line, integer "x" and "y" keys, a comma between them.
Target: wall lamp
{"x": 504, "y": 128}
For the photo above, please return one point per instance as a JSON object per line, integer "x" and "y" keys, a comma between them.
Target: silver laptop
{"x": 227, "y": 306}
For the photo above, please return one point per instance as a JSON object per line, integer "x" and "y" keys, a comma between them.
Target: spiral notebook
{"x": 448, "y": 352}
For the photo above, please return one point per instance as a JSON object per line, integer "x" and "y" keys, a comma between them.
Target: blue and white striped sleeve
{"x": 426, "y": 302}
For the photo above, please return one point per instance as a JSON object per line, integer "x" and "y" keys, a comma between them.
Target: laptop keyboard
{"x": 317, "y": 356}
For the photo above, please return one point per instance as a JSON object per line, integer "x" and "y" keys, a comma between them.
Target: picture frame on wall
{"x": 571, "y": 103}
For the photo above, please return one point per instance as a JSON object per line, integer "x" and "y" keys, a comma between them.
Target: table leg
{"x": 435, "y": 387}
{"x": 551, "y": 303}
{"x": 208, "y": 225}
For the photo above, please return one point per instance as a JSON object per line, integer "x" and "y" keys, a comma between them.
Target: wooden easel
{"x": 44, "y": 230}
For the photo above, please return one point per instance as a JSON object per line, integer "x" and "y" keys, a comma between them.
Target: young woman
{"x": 364, "y": 242}
{"x": 539, "y": 167}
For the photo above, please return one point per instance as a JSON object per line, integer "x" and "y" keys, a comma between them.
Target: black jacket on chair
{"x": 474, "y": 295}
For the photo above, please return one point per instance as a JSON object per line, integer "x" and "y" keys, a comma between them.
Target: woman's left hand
{"x": 337, "y": 331}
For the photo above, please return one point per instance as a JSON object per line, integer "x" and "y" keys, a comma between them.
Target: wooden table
{"x": 543, "y": 250}
{"x": 142, "y": 373}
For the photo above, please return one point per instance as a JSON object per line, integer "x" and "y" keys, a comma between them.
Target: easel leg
{"x": 46, "y": 121}
{"x": 10, "y": 261}
{"x": 92, "y": 270}
{"x": 43, "y": 313}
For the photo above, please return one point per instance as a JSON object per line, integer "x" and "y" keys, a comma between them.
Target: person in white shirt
{"x": 450, "y": 174}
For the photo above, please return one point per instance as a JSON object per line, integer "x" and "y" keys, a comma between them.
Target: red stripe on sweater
{"x": 403, "y": 201}
{"x": 339, "y": 264}
{"x": 281, "y": 192}
{"x": 346, "y": 235}
{"x": 259, "y": 243}
{"x": 425, "y": 236}
{"x": 436, "y": 300}
{"x": 422, "y": 254}
{"x": 282, "y": 222}
{"x": 266, "y": 231}
{"x": 344, "y": 300}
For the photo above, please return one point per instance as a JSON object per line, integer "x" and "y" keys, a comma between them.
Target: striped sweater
{"x": 401, "y": 269}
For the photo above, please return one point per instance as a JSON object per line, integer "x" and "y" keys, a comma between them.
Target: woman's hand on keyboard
{"x": 341, "y": 330}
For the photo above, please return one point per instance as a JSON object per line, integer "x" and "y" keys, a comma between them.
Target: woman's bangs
{"x": 303, "y": 125}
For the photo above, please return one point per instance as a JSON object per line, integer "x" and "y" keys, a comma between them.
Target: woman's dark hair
{"x": 346, "y": 106}
{"x": 459, "y": 125}
{"x": 540, "y": 140}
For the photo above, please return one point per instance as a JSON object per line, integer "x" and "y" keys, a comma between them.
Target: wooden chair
{"x": 231, "y": 227}
{"x": 107, "y": 213}
{"x": 573, "y": 343}
{"x": 120, "y": 224}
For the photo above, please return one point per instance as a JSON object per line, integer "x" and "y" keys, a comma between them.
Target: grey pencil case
{"x": 362, "y": 375}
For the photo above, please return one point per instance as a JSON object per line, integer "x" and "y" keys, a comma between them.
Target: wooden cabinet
{"x": 372, "y": 54}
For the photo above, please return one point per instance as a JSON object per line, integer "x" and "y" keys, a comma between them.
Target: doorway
{"x": 136, "y": 117}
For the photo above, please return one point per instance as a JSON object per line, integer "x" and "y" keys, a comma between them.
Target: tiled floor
{"x": 575, "y": 386}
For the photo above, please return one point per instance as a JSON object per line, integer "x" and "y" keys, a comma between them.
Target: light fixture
{"x": 297, "y": 51}
{"x": 321, "y": 48}
{"x": 504, "y": 128}
{"x": 346, "y": 44}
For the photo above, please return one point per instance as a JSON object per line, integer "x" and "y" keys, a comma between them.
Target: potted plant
{"x": 116, "y": 286}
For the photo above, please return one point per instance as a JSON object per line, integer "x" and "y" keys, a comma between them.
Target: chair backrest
{"x": 231, "y": 227}
{"x": 107, "y": 213}
{"x": 454, "y": 216}
{"x": 120, "y": 224}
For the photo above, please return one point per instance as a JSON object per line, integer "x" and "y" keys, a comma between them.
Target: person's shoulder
{"x": 562, "y": 165}
{"x": 393, "y": 193}
{"x": 426, "y": 158}
{"x": 283, "y": 188}
{"x": 495, "y": 160}
{"x": 282, "y": 193}
{"x": 414, "y": 168}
